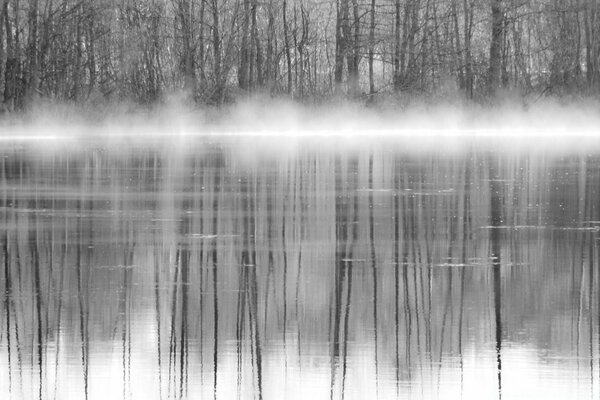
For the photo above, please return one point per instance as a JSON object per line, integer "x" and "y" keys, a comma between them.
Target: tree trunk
{"x": 405, "y": 39}
{"x": 201, "y": 44}
{"x": 121, "y": 72}
{"x": 288, "y": 56}
{"x": 591, "y": 43}
{"x": 412, "y": 53}
{"x": 468, "y": 32}
{"x": 47, "y": 32}
{"x": 217, "y": 52}
{"x": 372, "y": 49}
{"x": 295, "y": 40}
{"x": 397, "y": 46}
{"x": 91, "y": 56}
{"x": 187, "y": 57}
{"x": 244, "y": 68}
{"x": 425, "y": 49}
{"x": 301, "y": 43}
{"x": 77, "y": 66}
{"x": 269, "y": 68}
{"x": 495, "y": 59}
{"x": 13, "y": 90}
{"x": 258, "y": 56}
{"x": 504, "y": 74}
{"x": 458, "y": 50}
{"x": 342, "y": 36}
{"x": 577, "y": 59}
{"x": 3, "y": 11}
{"x": 32, "y": 72}
{"x": 156, "y": 48}
{"x": 353, "y": 54}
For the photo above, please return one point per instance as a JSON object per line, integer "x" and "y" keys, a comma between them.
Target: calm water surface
{"x": 298, "y": 273}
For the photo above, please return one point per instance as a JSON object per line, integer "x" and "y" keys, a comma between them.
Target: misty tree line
{"x": 215, "y": 50}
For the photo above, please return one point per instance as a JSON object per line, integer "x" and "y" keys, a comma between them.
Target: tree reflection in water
{"x": 366, "y": 273}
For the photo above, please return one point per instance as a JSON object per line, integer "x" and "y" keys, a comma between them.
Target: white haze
{"x": 545, "y": 125}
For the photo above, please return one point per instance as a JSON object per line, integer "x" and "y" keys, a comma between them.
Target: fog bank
{"x": 548, "y": 123}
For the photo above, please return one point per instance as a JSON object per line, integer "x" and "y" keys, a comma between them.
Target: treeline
{"x": 216, "y": 50}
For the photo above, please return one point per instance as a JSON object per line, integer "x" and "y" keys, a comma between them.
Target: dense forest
{"x": 216, "y": 50}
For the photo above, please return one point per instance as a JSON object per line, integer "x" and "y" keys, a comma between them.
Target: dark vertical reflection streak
{"x": 126, "y": 317}
{"x": 425, "y": 203}
{"x": 20, "y": 267}
{"x": 348, "y": 264}
{"x": 413, "y": 239}
{"x": 242, "y": 289}
{"x": 496, "y": 222}
{"x": 396, "y": 255}
{"x": 7, "y": 298}
{"x": 286, "y": 199}
{"x": 185, "y": 230}
{"x": 581, "y": 290}
{"x": 129, "y": 287}
{"x": 373, "y": 270}
{"x": 173, "y": 325}
{"x": 447, "y": 307}
{"x": 158, "y": 317}
{"x": 33, "y": 242}
{"x": 183, "y": 355}
{"x": 597, "y": 258}
{"x": 582, "y": 183}
{"x": 583, "y": 206}
{"x": 183, "y": 334}
{"x": 583, "y": 198}
{"x": 7, "y": 277}
{"x": 249, "y": 266}
{"x": 86, "y": 290}
{"x": 199, "y": 167}
{"x": 215, "y": 227}
{"x": 591, "y": 193}
{"x": 51, "y": 289}
{"x": 13, "y": 302}
{"x": 82, "y": 315}
{"x": 270, "y": 256}
{"x": 240, "y": 323}
{"x": 12, "y": 290}
{"x": 340, "y": 230}
{"x": 404, "y": 204}
{"x": 590, "y": 307}
{"x": 254, "y": 293}
{"x": 62, "y": 266}
{"x": 253, "y": 309}
{"x": 299, "y": 261}
{"x": 465, "y": 238}
{"x": 452, "y": 230}
{"x": 158, "y": 258}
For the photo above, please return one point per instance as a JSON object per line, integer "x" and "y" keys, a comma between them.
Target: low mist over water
{"x": 276, "y": 118}
{"x": 230, "y": 267}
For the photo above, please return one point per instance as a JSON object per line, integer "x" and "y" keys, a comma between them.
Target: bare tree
{"x": 140, "y": 50}
{"x": 495, "y": 59}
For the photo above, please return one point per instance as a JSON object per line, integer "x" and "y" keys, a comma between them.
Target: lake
{"x": 229, "y": 268}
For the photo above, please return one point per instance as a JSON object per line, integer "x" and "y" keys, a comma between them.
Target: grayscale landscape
{"x": 299, "y": 199}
